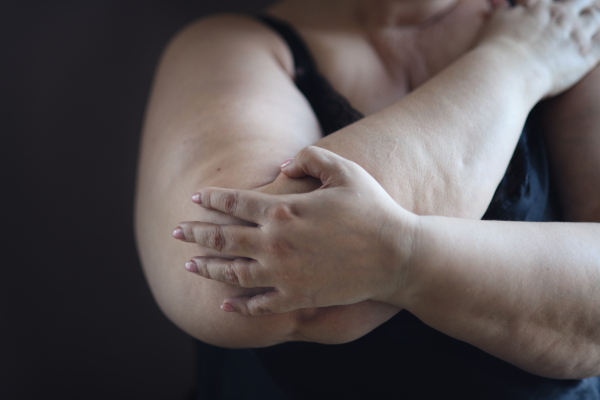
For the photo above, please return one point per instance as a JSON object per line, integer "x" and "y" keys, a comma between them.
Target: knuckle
{"x": 258, "y": 310}
{"x": 311, "y": 150}
{"x": 231, "y": 275}
{"x": 240, "y": 272}
{"x": 281, "y": 211}
{"x": 305, "y": 152}
{"x": 230, "y": 202}
{"x": 203, "y": 269}
{"x": 217, "y": 239}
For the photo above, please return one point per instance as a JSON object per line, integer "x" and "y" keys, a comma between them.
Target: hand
{"x": 556, "y": 41}
{"x": 343, "y": 244}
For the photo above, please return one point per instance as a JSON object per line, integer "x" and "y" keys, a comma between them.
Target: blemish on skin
{"x": 394, "y": 149}
{"x": 218, "y": 169}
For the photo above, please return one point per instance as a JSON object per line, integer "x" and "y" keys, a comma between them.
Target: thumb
{"x": 331, "y": 169}
{"x": 273, "y": 302}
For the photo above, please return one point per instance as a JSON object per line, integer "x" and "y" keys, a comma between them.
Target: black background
{"x": 77, "y": 320}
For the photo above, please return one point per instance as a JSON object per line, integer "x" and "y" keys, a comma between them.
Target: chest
{"x": 375, "y": 68}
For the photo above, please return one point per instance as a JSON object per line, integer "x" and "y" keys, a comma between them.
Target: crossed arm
{"x": 225, "y": 112}
{"x": 249, "y": 109}
{"x": 527, "y": 293}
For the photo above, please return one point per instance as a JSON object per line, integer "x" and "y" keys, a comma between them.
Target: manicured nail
{"x": 286, "y": 162}
{"x": 197, "y": 199}
{"x": 191, "y": 266}
{"x": 227, "y": 307}
{"x": 178, "y": 234}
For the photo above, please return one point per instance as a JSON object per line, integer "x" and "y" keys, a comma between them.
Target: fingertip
{"x": 228, "y": 307}
{"x": 197, "y": 198}
{"x": 191, "y": 266}
{"x": 286, "y": 163}
{"x": 178, "y": 233}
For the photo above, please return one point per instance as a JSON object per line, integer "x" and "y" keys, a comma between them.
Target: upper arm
{"x": 572, "y": 126}
{"x": 223, "y": 111}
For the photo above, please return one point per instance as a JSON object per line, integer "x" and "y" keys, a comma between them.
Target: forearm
{"x": 436, "y": 152}
{"x": 572, "y": 133}
{"x": 234, "y": 131}
{"x": 444, "y": 148}
{"x": 527, "y": 293}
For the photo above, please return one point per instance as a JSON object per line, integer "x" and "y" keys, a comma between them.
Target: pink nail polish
{"x": 178, "y": 234}
{"x": 227, "y": 307}
{"x": 197, "y": 199}
{"x": 286, "y": 162}
{"x": 191, "y": 266}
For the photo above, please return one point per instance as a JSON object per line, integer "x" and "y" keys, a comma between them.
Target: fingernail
{"x": 178, "y": 234}
{"x": 191, "y": 266}
{"x": 197, "y": 199}
{"x": 227, "y": 307}
{"x": 286, "y": 162}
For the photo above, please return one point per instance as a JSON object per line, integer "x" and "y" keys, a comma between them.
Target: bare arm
{"x": 225, "y": 112}
{"x": 524, "y": 292}
{"x": 527, "y": 293}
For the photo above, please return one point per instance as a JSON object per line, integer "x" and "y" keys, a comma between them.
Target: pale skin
{"x": 250, "y": 111}
{"x": 508, "y": 288}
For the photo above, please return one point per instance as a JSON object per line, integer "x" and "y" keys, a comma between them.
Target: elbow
{"x": 194, "y": 307}
{"x": 571, "y": 365}
{"x": 577, "y": 370}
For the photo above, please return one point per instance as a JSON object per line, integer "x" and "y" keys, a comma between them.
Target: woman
{"x": 235, "y": 92}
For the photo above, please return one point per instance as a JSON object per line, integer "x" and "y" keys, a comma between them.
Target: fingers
{"x": 244, "y": 204}
{"x": 591, "y": 21}
{"x": 564, "y": 10}
{"x": 273, "y": 302}
{"x": 578, "y": 6}
{"x": 240, "y": 272}
{"x": 328, "y": 167}
{"x": 235, "y": 240}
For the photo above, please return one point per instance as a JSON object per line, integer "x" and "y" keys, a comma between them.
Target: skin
{"x": 527, "y": 293}
{"x": 234, "y": 93}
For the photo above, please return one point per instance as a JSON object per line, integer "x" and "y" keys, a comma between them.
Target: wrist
{"x": 516, "y": 68}
{"x": 406, "y": 247}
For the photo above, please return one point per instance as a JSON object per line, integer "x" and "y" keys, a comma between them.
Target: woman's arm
{"x": 224, "y": 111}
{"x": 527, "y": 293}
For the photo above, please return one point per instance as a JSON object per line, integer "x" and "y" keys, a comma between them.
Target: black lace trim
{"x": 332, "y": 109}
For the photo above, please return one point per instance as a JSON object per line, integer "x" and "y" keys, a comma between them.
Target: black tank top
{"x": 403, "y": 358}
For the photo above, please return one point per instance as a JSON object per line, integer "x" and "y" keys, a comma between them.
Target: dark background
{"x": 77, "y": 320}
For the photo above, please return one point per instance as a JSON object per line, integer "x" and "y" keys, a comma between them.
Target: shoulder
{"x": 230, "y": 36}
